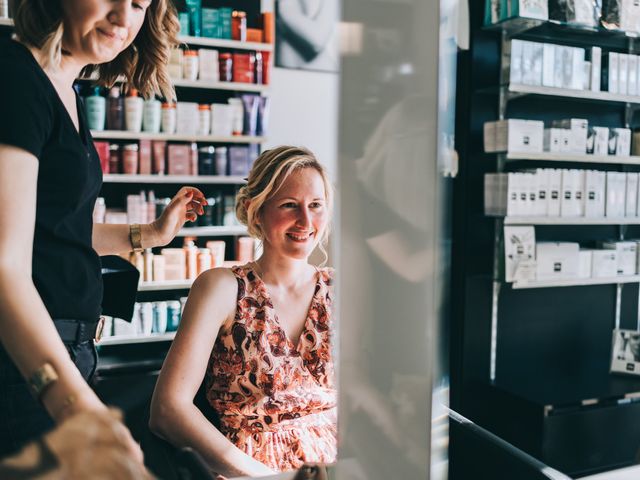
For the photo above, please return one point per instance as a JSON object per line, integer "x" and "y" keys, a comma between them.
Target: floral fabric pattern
{"x": 276, "y": 399}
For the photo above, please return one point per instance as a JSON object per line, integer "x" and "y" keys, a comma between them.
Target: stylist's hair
{"x": 40, "y": 24}
{"x": 268, "y": 173}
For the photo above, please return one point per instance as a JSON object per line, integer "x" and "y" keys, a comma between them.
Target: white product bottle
{"x": 190, "y": 65}
{"x": 133, "y": 107}
{"x": 151, "y": 115}
{"x": 204, "y": 116}
{"x": 169, "y": 117}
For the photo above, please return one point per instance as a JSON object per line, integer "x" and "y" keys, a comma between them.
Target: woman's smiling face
{"x": 96, "y": 31}
{"x": 295, "y": 218}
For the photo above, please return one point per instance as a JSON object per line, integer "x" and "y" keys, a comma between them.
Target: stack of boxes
{"x": 526, "y": 260}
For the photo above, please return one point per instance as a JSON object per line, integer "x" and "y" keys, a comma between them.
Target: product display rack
{"x": 173, "y": 179}
{"x": 573, "y": 157}
{"x": 133, "y": 339}
{"x": 226, "y": 44}
{"x": 167, "y": 285}
{"x": 212, "y": 231}
{"x": 534, "y": 356}
{"x": 173, "y": 137}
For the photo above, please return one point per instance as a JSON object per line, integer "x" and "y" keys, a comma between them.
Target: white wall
{"x": 304, "y": 112}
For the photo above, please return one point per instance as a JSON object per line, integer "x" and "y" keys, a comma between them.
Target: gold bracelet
{"x": 135, "y": 236}
{"x": 41, "y": 379}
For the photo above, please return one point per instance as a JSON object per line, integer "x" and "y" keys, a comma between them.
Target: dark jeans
{"x": 22, "y": 417}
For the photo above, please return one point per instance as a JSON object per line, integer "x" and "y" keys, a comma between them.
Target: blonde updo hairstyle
{"x": 267, "y": 175}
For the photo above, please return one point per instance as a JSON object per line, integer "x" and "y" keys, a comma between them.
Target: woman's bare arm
{"x": 212, "y": 302}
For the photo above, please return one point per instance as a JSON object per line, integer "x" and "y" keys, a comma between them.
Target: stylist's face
{"x": 96, "y": 31}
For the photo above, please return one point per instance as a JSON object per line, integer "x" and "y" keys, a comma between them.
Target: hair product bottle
{"x": 115, "y": 110}
{"x": 133, "y": 106}
{"x": 95, "y": 107}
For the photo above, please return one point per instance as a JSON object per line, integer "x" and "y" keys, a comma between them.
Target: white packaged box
{"x": 612, "y": 78}
{"x": 584, "y": 263}
{"x": 519, "y": 136}
{"x": 623, "y": 73}
{"x": 555, "y": 192}
{"x": 542, "y": 198}
{"x": 577, "y": 69}
{"x": 631, "y": 197}
{"x": 604, "y": 263}
{"x": 561, "y": 56}
{"x": 632, "y": 82}
{"x": 578, "y": 131}
{"x": 616, "y": 187}
{"x": 221, "y": 119}
{"x": 598, "y": 141}
{"x": 528, "y": 8}
{"x": 527, "y": 62}
{"x": 515, "y": 62}
{"x": 596, "y": 68}
{"x": 626, "y": 253}
{"x": 187, "y": 118}
{"x": 557, "y": 260}
{"x": 630, "y": 16}
{"x": 623, "y": 141}
{"x": 519, "y": 253}
{"x": 513, "y": 195}
{"x": 208, "y": 65}
{"x": 594, "y": 194}
{"x": 489, "y": 137}
{"x": 537, "y": 53}
{"x": 548, "y": 64}
{"x": 554, "y": 139}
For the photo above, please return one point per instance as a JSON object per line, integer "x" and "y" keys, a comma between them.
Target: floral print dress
{"x": 276, "y": 399}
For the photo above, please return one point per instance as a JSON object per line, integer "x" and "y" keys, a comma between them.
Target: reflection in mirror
{"x": 396, "y": 146}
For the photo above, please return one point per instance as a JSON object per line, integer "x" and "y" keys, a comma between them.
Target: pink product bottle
{"x": 130, "y": 159}
{"x": 151, "y": 206}
{"x": 193, "y": 159}
{"x": 159, "y": 154}
{"x": 245, "y": 249}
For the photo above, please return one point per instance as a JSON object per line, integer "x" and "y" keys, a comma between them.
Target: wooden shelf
{"x": 576, "y": 282}
{"x": 225, "y": 43}
{"x": 177, "y": 137}
{"x": 571, "y": 221}
{"x": 573, "y": 157}
{"x": 174, "y": 179}
{"x": 169, "y": 285}
{"x": 233, "y": 86}
{"x": 518, "y": 90}
{"x": 212, "y": 231}
{"x": 131, "y": 339}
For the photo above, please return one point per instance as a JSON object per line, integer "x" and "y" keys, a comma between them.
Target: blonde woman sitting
{"x": 259, "y": 334}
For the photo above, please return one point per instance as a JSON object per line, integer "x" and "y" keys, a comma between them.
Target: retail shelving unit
{"x": 534, "y": 356}
{"x": 173, "y": 179}
{"x": 173, "y": 137}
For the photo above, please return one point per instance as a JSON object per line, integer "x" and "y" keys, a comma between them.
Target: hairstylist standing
{"x": 50, "y": 177}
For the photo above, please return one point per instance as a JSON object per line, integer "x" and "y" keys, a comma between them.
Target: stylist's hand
{"x": 186, "y": 205}
{"x": 96, "y": 445}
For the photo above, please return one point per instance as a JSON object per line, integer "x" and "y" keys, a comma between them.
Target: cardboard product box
{"x": 604, "y": 263}
{"x": 512, "y": 62}
{"x": 572, "y": 200}
{"x": 612, "y": 73}
{"x": 554, "y": 139}
{"x": 513, "y": 194}
{"x": 615, "y": 190}
{"x": 187, "y": 118}
{"x": 632, "y": 81}
{"x": 631, "y": 197}
{"x": 489, "y": 137}
{"x": 519, "y": 253}
{"x": 238, "y": 160}
{"x": 623, "y": 73}
{"x": 221, "y": 119}
{"x": 623, "y": 141}
{"x": 557, "y": 260}
{"x": 594, "y": 194}
{"x": 598, "y": 141}
{"x": 178, "y": 159}
{"x": 175, "y": 263}
{"x": 586, "y": 65}
{"x": 573, "y": 11}
{"x": 537, "y": 64}
{"x": 514, "y": 135}
{"x": 208, "y": 65}
{"x": 542, "y": 194}
{"x": 175, "y": 63}
{"x": 636, "y": 142}
{"x": 578, "y": 128}
{"x": 577, "y": 69}
{"x": 630, "y": 15}
{"x": 555, "y": 192}
{"x": 626, "y": 256}
{"x": 144, "y": 157}
{"x": 548, "y": 64}
{"x": 596, "y": 68}
{"x": 211, "y": 23}
{"x": 528, "y": 8}
{"x": 584, "y": 263}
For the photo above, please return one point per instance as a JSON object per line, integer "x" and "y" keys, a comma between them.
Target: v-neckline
{"x": 80, "y": 130}
{"x": 276, "y": 320}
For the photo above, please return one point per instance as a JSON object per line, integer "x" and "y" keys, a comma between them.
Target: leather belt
{"x": 76, "y": 331}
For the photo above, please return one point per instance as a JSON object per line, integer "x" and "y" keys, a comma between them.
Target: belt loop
{"x": 81, "y": 330}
